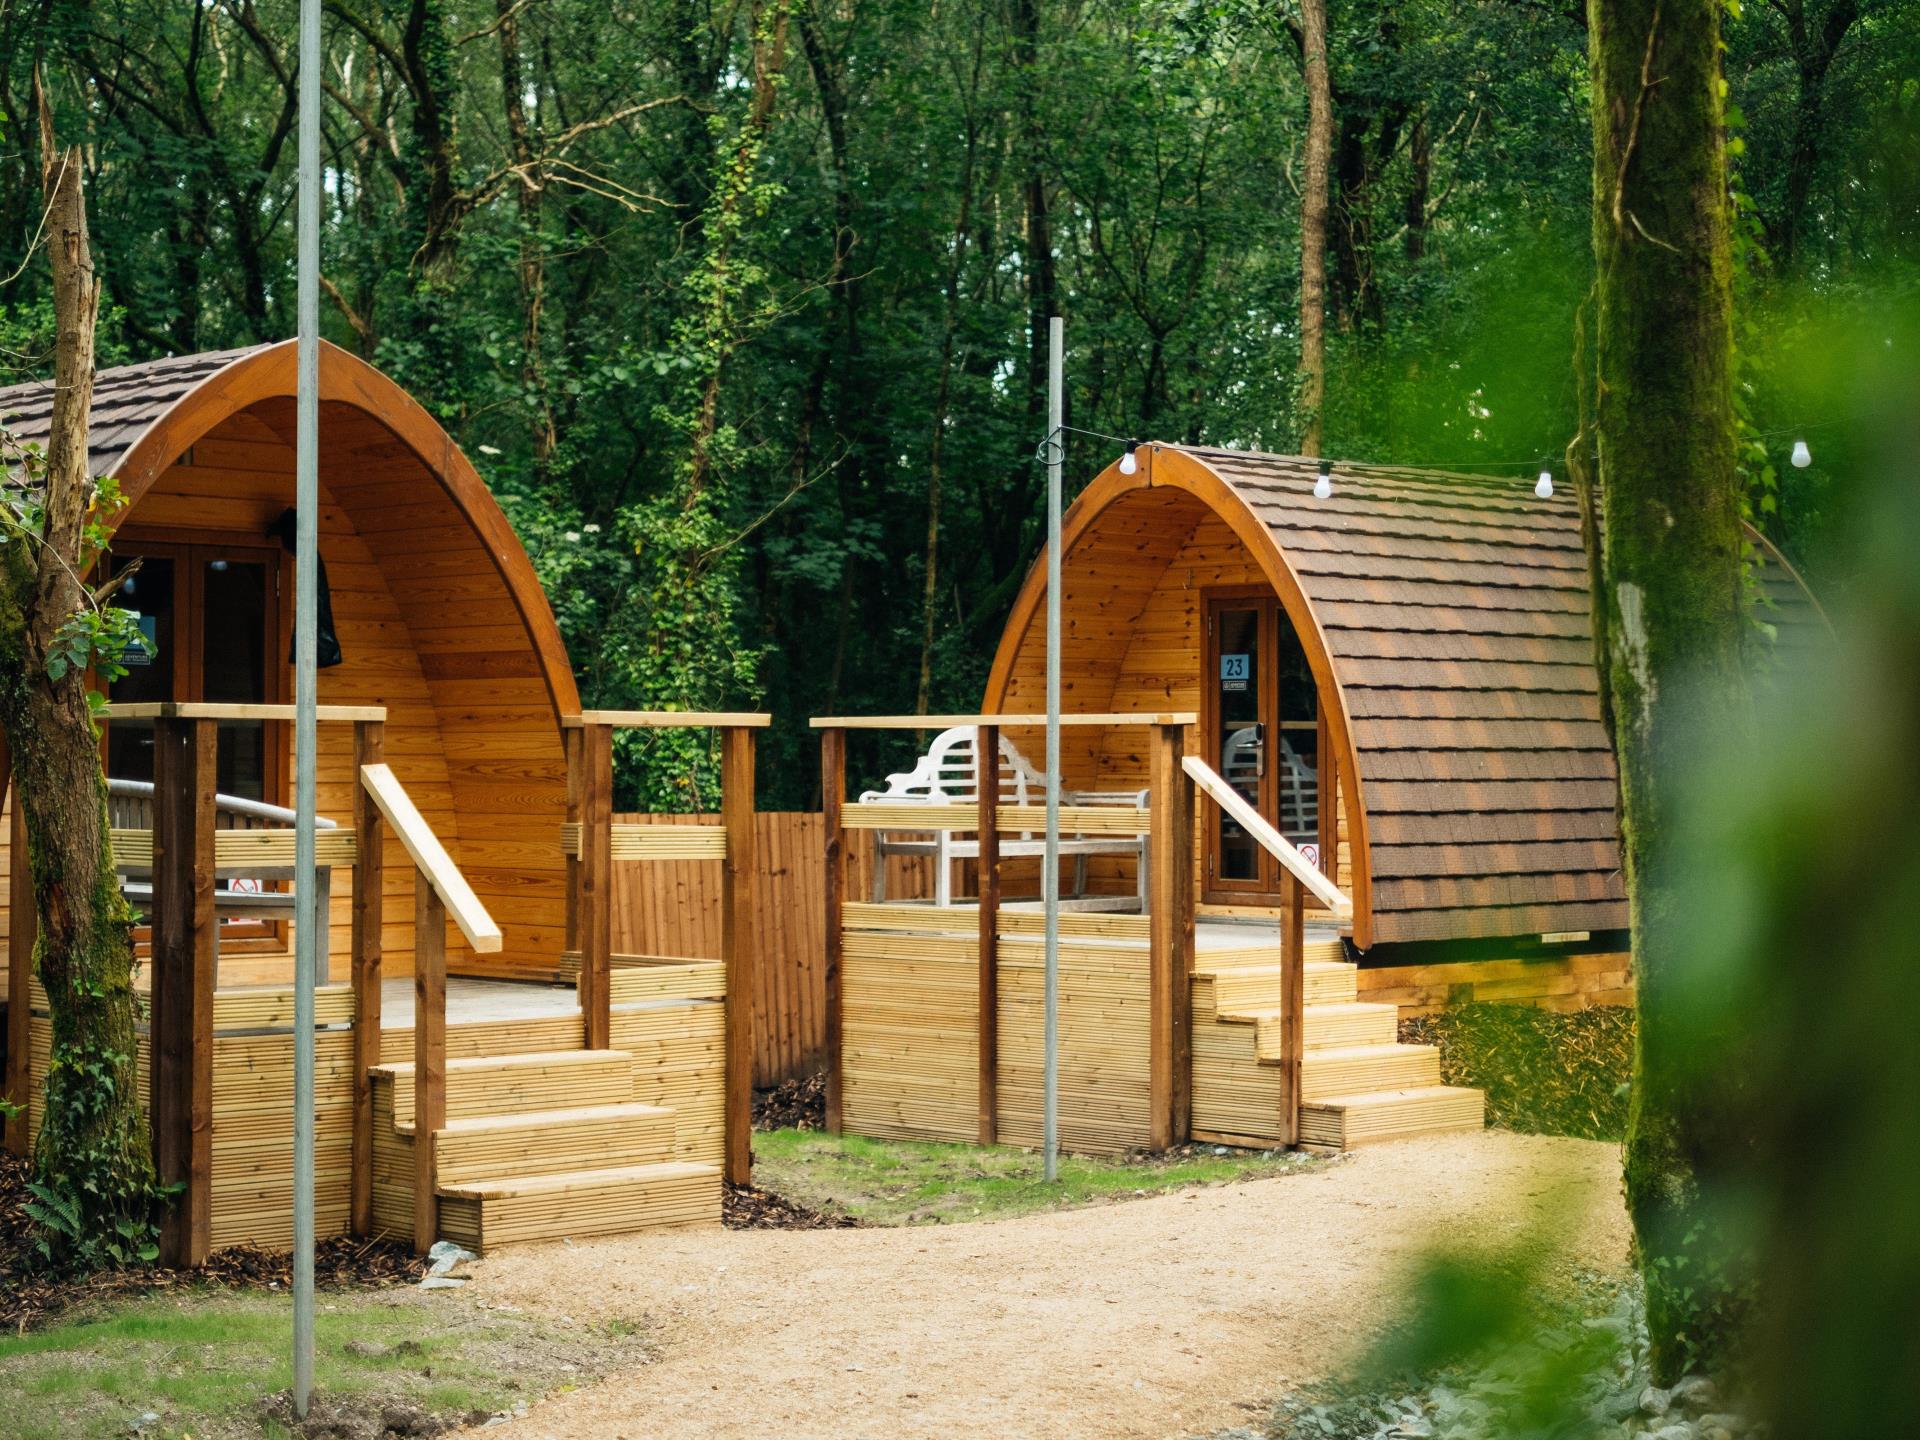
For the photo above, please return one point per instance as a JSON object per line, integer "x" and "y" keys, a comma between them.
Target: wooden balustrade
{"x": 1168, "y": 823}
{"x": 440, "y": 892}
{"x": 591, "y": 842}
{"x": 187, "y": 852}
{"x": 1301, "y": 876}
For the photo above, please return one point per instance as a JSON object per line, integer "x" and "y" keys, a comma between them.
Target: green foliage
{"x": 93, "y": 1205}
{"x": 806, "y": 264}
{"x": 1543, "y": 1072}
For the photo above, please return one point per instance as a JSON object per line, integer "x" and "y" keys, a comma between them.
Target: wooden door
{"x": 1261, "y": 731}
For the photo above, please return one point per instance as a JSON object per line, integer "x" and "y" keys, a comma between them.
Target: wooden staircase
{"x": 1358, "y": 1083}
{"x": 536, "y": 1147}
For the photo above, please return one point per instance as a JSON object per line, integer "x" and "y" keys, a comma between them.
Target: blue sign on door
{"x": 1234, "y": 671}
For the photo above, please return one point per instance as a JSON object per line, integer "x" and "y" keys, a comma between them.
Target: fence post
{"x": 986, "y": 754}
{"x": 595, "y": 904}
{"x": 736, "y": 945}
{"x": 429, "y": 1052}
{"x": 23, "y": 921}
{"x": 369, "y": 914}
{"x": 833, "y": 800}
{"x": 1170, "y": 939}
{"x": 180, "y": 1061}
{"x": 1293, "y": 976}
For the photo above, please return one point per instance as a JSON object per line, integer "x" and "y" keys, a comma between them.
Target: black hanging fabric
{"x": 326, "y": 647}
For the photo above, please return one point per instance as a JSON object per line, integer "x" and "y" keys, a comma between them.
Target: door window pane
{"x": 1297, "y": 759}
{"x": 149, "y": 593}
{"x": 1242, "y": 737}
{"x": 233, "y": 667}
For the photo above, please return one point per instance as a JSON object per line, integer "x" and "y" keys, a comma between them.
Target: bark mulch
{"x": 30, "y": 1298}
{"x": 744, "y": 1207}
{"x": 792, "y": 1104}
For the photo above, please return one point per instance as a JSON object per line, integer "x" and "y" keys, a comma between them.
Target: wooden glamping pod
{"x": 1393, "y": 684}
{"x": 449, "y": 723}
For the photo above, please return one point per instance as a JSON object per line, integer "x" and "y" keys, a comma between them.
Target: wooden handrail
{"x": 195, "y": 710}
{"x": 1275, "y": 844}
{"x": 949, "y": 722}
{"x": 430, "y": 858}
{"x": 669, "y": 719}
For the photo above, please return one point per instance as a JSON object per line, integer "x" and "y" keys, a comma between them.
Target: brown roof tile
{"x": 1455, "y": 610}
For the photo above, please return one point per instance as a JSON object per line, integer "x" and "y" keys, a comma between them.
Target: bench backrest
{"x": 949, "y": 771}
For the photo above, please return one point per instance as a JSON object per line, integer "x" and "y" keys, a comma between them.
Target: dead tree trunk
{"x": 1313, "y": 223}
{"x": 94, "y": 1151}
{"x": 1669, "y": 607}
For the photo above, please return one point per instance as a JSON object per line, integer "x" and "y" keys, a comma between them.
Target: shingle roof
{"x": 1456, "y": 615}
{"x": 126, "y": 399}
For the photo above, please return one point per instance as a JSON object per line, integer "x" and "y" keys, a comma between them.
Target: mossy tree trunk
{"x": 94, "y": 1151}
{"x": 1669, "y": 612}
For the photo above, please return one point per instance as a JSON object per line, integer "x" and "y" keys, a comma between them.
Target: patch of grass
{"x": 1544, "y": 1072}
{"x": 202, "y": 1359}
{"x": 899, "y": 1182}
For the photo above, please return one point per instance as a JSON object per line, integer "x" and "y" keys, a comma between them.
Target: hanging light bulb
{"x": 1323, "y": 487}
{"x": 1543, "y": 487}
{"x": 1128, "y": 464}
{"x": 1802, "y": 456}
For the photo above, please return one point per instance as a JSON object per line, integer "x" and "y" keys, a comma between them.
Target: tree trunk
{"x": 94, "y": 1148}
{"x": 942, "y": 404}
{"x": 1419, "y": 185}
{"x": 1814, "y": 48}
{"x": 532, "y": 259}
{"x": 1313, "y": 224}
{"x": 1042, "y": 279}
{"x": 1670, "y": 602}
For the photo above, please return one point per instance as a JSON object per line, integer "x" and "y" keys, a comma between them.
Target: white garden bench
{"x": 949, "y": 773}
{"x": 130, "y": 807}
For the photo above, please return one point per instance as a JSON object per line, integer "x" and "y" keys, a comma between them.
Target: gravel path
{"x": 1167, "y": 1316}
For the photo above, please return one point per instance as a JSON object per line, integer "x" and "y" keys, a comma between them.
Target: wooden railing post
{"x": 180, "y": 1035}
{"x": 1293, "y": 994}
{"x": 736, "y": 945}
{"x": 429, "y": 1052}
{"x": 987, "y": 786}
{"x": 570, "y": 747}
{"x": 23, "y": 922}
{"x": 594, "y": 918}
{"x": 369, "y": 914}
{"x": 833, "y": 800}
{"x": 1170, "y": 939}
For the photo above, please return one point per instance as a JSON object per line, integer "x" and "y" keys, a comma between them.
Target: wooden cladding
{"x": 654, "y": 842}
{"x": 935, "y": 1012}
{"x": 1013, "y": 819}
{"x": 246, "y": 850}
{"x": 591, "y": 846}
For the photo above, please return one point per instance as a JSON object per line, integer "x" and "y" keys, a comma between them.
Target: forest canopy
{"x": 740, "y": 308}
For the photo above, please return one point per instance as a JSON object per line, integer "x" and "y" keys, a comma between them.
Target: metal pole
{"x": 1050, "y": 874}
{"x": 306, "y": 501}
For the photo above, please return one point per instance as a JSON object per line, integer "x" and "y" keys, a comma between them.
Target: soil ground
{"x": 1170, "y": 1315}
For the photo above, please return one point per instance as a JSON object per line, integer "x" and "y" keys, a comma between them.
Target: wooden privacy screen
{"x": 672, "y": 907}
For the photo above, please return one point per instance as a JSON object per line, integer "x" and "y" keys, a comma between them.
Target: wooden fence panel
{"x": 672, "y": 907}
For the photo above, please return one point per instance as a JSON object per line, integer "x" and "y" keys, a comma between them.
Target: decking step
{"x": 1327, "y": 1026}
{"x": 517, "y": 1084}
{"x": 1249, "y": 987}
{"x": 1340, "y": 1122}
{"x": 536, "y": 1142}
{"x": 1358, "y": 1069}
{"x": 503, "y": 1210}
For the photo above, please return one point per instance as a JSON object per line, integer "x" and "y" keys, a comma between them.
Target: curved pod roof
{"x": 146, "y": 416}
{"x": 1447, "y": 621}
